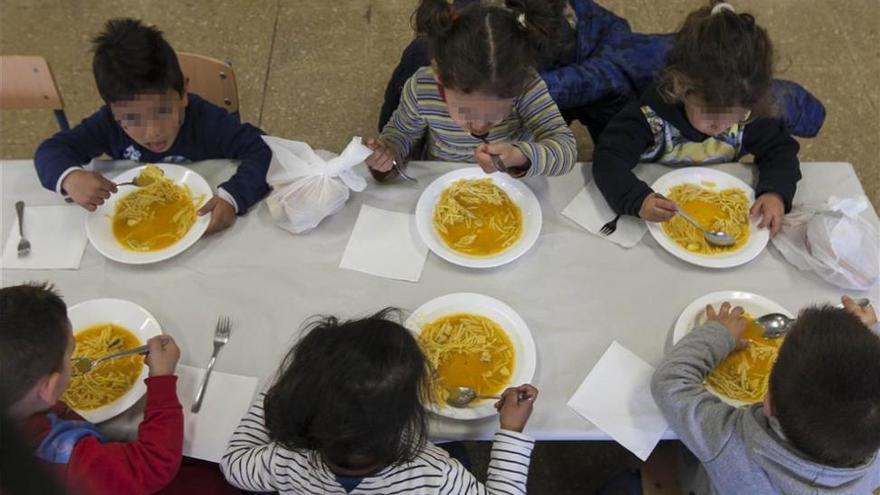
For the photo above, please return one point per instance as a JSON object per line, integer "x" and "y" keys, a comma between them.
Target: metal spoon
{"x": 718, "y": 238}
{"x": 496, "y": 160}
{"x": 83, "y": 365}
{"x": 132, "y": 182}
{"x": 777, "y": 324}
{"x": 462, "y": 396}
{"x": 400, "y": 171}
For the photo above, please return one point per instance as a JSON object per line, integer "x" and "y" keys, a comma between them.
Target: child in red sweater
{"x": 36, "y": 343}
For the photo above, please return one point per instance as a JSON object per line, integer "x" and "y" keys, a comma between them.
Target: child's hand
{"x": 383, "y": 157}
{"x": 88, "y": 189}
{"x": 733, "y": 320}
{"x": 656, "y": 208}
{"x": 222, "y": 214}
{"x": 509, "y": 154}
{"x": 772, "y": 210}
{"x": 163, "y": 356}
{"x": 515, "y": 407}
{"x": 866, "y": 314}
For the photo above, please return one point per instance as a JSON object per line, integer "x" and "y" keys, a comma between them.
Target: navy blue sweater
{"x": 208, "y": 132}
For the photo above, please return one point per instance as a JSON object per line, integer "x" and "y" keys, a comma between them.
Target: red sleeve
{"x": 145, "y": 465}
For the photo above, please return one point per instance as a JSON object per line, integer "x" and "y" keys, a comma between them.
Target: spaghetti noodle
{"x": 156, "y": 215}
{"x": 109, "y": 380}
{"x": 476, "y": 217}
{"x": 744, "y": 374}
{"x": 467, "y": 350}
{"x": 726, "y": 210}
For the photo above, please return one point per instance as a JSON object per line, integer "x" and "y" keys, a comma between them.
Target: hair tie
{"x": 722, "y": 6}
{"x": 521, "y": 20}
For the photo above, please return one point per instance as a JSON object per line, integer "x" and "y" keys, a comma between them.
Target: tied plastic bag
{"x": 307, "y": 185}
{"x": 834, "y": 240}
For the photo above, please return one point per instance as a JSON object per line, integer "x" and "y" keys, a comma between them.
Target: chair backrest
{"x": 212, "y": 79}
{"x": 26, "y": 82}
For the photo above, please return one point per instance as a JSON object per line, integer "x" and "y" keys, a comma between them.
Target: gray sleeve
{"x": 702, "y": 421}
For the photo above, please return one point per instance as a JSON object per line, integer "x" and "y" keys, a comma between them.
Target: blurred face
{"x": 152, "y": 120}
{"x": 710, "y": 120}
{"x": 477, "y": 113}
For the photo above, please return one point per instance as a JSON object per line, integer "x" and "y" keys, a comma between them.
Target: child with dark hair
{"x": 482, "y": 99}
{"x": 818, "y": 428}
{"x": 347, "y": 415}
{"x": 713, "y": 103}
{"x": 150, "y": 117}
{"x": 36, "y": 342}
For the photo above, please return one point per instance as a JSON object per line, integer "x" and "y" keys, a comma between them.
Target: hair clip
{"x": 722, "y": 6}
{"x": 521, "y": 20}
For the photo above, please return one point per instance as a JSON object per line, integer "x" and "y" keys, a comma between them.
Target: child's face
{"x": 712, "y": 121}
{"x": 477, "y": 113}
{"x": 152, "y": 119}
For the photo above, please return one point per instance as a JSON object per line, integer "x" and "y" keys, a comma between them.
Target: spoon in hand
{"x": 777, "y": 324}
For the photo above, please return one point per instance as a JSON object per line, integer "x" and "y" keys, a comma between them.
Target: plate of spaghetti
{"x": 477, "y": 220}
{"x": 153, "y": 222}
{"x": 475, "y": 341}
{"x": 101, "y": 327}
{"x": 719, "y": 201}
{"x": 742, "y": 377}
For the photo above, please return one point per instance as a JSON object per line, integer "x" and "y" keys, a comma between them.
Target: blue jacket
{"x": 609, "y": 66}
{"x": 208, "y": 132}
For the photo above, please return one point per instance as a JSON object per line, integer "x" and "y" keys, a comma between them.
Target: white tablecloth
{"x": 576, "y": 292}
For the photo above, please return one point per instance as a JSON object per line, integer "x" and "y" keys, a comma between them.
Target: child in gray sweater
{"x": 818, "y": 428}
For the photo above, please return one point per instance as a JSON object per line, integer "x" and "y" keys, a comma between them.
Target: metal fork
{"x": 610, "y": 227}
{"x": 24, "y": 246}
{"x": 400, "y": 171}
{"x": 221, "y": 337}
{"x": 496, "y": 160}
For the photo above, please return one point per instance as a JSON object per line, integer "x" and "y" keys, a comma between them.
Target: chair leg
{"x": 61, "y": 117}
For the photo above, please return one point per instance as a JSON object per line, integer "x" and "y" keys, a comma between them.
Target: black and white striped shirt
{"x": 254, "y": 462}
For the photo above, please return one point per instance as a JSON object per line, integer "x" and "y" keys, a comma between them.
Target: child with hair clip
{"x": 713, "y": 103}
{"x": 481, "y": 99}
{"x": 347, "y": 415}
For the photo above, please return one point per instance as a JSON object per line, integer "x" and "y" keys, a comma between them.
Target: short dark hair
{"x": 33, "y": 338}
{"x": 482, "y": 48}
{"x": 131, "y": 58}
{"x": 825, "y": 387}
{"x": 725, "y": 58}
{"x": 353, "y": 392}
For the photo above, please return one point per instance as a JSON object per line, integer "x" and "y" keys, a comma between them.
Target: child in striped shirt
{"x": 347, "y": 415}
{"x": 481, "y": 99}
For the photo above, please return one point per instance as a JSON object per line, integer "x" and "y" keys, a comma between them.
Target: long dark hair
{"x": 490, "y": 48}
{"x": 725, "y": 58}
{"x": 352, "y": 392}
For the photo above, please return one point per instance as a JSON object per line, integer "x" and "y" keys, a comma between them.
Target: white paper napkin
{"x": 386, "y": 244}
{"x": 590, "y": 210}
{"x": 57, "y": 235}
{"x": 616, "y": 397}
{"x": 226, "y": 401}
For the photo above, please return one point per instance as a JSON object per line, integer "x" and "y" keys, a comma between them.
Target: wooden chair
{"x": 212, "y": 79}
{"x": 26, "y": 83}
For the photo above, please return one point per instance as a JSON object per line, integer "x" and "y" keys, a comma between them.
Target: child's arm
{"x": 508, "y": 468}
{"x": 407, "y": 126}
{"x": 231, "y": 139}
{"x": 553, "y": 151}
{"x": 247, "y": 461}
{"x": 66, "y": 151}
{"x": 702, "y": 421}
{"x": 776, "y": 157}
{"x": 618, "y": 151}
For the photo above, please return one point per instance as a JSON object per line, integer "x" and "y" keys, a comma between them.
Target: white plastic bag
{"x": 308, "y": 186}
{"x": 834, "y": 240}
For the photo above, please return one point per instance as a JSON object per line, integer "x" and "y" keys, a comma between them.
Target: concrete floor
{"x": 315, "y": 70}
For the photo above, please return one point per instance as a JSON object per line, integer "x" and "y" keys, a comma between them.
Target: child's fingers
{"x": 753, "y": 211}
{"x": 208, "y": 207}
{"x": 737, "y": 311}
{"x": 724, "y": 310}
{"x": 775, "y": 225}
{"x": 527, "y": 392}
{"x": 710, "y": 312}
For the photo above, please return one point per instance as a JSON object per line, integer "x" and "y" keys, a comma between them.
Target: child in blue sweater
{"x": 150, "y": 117}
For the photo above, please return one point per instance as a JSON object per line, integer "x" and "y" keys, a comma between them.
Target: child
{"x": 150, "y": 117}
{"x": 347, "y": 415}
{"x": 818, "y": 428}
{"x": 36, "y": 343}
{"x": 481, "y": 87}
{"x": 713, "y": 103}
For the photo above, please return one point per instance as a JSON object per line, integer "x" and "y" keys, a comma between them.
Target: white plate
{"x": 694, "y": 315}
{"x": 758, "y": 238}
{"x": 518, "y": 192}
{"x": 125, "y": 314}
{"x": 99, "y": 225}
{"x": 526, "y": 358}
